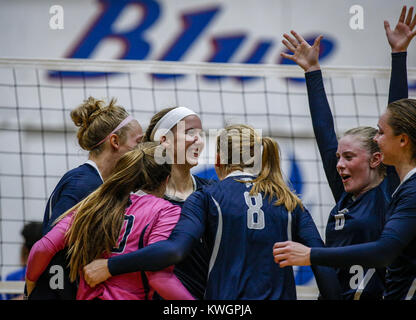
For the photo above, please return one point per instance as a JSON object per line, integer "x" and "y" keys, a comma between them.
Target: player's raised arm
{"x": 307, "y": 57}
{"x": 304, "y": 55}
{"x": 400, "y": 37}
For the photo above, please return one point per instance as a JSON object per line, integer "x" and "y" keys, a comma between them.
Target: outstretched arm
{"x": 326, "y": 277}
{"x": 398, "y": 232}
{"x": 307, "y": 57}
{"x": 43, "y": 251}
{"x": 399, "y": 39}
{"x": 153, "y": 257}
{"x": 159, "y": 255}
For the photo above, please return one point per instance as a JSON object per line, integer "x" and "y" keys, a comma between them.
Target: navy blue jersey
{"x": 362, "y": 220}
{"x": 73, "y": 187}
{"x": 193, "y": 270}
{"x": 359, "y": 221}
{"x": 240, "y": 231}
{"x": 401, "y": 225}
{"x": 396, "y": 247}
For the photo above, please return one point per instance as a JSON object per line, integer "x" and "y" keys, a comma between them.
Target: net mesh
{"x": 38, "y": 141}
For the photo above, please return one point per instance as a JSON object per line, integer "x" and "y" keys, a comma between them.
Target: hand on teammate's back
{"x": 96, "y": 272}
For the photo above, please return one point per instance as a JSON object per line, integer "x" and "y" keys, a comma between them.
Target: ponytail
{"x": 239, "y": 148}
{"x": 98, "y": 219}
{"x": 270, "y": 180}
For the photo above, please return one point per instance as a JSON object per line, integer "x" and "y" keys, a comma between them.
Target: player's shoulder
{"x": 152, "y": 202}
{"x": 83, "y": 175}
{"x": 83, "y": 170}
{"x": 407, "y": 191}
{"x": 203, "y": 182}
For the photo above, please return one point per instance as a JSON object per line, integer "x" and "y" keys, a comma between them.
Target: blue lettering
{"x": 194, "y": 24}
{"x": 224, "y": 49}
{"x": 135, "y": 47}
{"x": 257, "y": 56}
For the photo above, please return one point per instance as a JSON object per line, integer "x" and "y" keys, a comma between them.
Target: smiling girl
{"x": 360, "y": 183}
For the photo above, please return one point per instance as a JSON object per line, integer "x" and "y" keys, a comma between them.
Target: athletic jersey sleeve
{"x": 193, "y": 215}
{"x": 169, "y": 252}
{"x": 398, "y": 231}
{"x": 398, "y": 78}
{"x": 43, "y": 250}
{"x": 164, "y": 281}
{"x": 307, "y": 234}
{"x": 323, "y": 127}
{"x": 168, "y": 286}
{"x": 398, "y": 90}
{"x": 71, "y": 194}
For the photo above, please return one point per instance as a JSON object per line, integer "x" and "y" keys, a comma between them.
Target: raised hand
{"x": 306, "y": 56}
{"x": 400, "y": 37}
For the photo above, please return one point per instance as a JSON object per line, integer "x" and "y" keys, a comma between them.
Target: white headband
{"x": 168, "y": 121}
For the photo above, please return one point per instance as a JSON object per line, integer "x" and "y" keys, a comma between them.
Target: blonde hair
{"x": 155, "y": 119}
{"x": 96, "y": 120}
{"x": 402, "y": 119}
{"x": 366, "y": 137}
{"x": 241, "y": 139}
{"x": 98, "y": 219}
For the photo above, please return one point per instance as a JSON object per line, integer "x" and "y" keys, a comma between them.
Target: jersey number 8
{"x": 255, "y": 216}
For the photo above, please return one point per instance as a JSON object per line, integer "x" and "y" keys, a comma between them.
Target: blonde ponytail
{"x": 98, "y": 219}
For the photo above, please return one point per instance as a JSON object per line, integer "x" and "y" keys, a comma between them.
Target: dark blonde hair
{"x": 402, "y": 119}
{"x": 96, "y": 120}
{"x": 98, "y": 219}
{"x": 242, "y": 138}
{"x": 366, "y": 137}
{"x": 155, "y": 119}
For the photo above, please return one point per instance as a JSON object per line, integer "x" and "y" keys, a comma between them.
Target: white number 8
{"x": 254, "y": 210}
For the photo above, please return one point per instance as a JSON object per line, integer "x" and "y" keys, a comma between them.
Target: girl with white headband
{"x": 107, "y": 132}
{"x": 181, "y": 130}
{"x": 238, "y": 217}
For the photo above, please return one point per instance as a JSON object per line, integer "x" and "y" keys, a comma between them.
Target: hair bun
{"x": 96, "y": 119}
{"x": 84, "y": 114}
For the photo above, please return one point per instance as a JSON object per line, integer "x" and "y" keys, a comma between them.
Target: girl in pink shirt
{"x": 112, "y": 221}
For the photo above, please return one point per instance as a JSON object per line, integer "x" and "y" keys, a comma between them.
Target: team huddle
{"x": 133, "y": 222}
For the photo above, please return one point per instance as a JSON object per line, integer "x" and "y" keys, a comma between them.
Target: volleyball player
{"x": 107, "y": 132}
{"x": 238, "y": 218}
{"x": 180, "y": 129}
{"x": 396, "y": 246}
{"x": 111, "y": 221}
{"x": 353, "y": 165}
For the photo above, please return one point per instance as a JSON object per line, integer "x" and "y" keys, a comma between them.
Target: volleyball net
{"x": 38, "y": 139}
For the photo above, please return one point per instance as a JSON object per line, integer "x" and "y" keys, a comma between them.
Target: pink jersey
{"x": 160, "y": 217}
